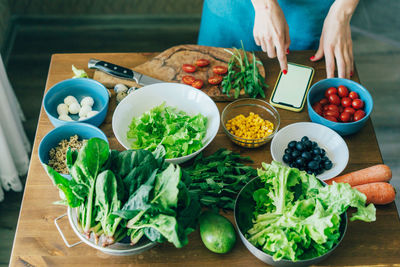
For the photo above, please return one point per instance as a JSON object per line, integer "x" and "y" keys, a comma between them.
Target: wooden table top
{"x": 38, "y": 243}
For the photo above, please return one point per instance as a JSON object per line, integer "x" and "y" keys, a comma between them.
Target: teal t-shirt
{"x": 225, "y": 23}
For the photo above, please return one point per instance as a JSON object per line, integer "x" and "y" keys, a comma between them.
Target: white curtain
{"x": 14, "y": 145}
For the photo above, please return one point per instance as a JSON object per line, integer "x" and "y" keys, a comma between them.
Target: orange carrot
{"x": 378, "y": 193}
{"x": 377, "y": 173}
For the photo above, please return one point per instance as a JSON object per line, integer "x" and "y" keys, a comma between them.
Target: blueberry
{"x": 288, "y": 151}
{"x": 324, "y": 158}
{"x": 300, "y": 161}
{"x": 310, "y": 172}
{"x": 317, "y": 158}
{"x": 302, "y": 168}
{"x": 318, "y": 171}
{"x": 313, "y": 165}
{"x": 328, "y": 165}
{"x": 323, "y": 152}
{"x": 306, "y": 155}
{"x": 287, "y": 158}
{"x": 292, "y": 165}
{"x": 295, "y": 154}
{"x": 292, "y": 144}
{"x": 316, "y": 151}
{"x": 299, "y": 146}
{"x": 308, "y": 144}
{"x": 314, "y": 144}
{"x": 304, "y": 139}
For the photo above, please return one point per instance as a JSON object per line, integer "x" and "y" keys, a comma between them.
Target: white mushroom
{"x": 65, "y": 117}
{"x": 120, "y": 88}
{"x": 62, "y": 109}
{"x": 92, "y": 113}
{"x": 85, "y": 110}
{"x": 120, "y": 96}
{"x": 87, "y": 101}
{"x": 69, "y": 100}
{"x": 74, "y": 108}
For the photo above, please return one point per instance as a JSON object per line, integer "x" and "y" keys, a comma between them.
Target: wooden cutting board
{"x": 167, "y": 66}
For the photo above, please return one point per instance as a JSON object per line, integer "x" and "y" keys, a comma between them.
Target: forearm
{"x": 344, "y": 9}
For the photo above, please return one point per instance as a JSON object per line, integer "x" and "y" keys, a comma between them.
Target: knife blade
{"x": 121, "y": 72}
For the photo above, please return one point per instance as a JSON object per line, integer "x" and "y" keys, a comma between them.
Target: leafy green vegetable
{"x": 296, "y": 217}
{"x": 243, "y": 74}
{"x": 179, "y": 133}
{"x": 79, "y": 73}
{"x": 218, "y": 178}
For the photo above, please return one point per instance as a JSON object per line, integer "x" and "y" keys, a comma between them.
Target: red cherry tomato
{"x": 333, "y": 107}
{"x": 202, "y": 62}
{"x": 346, "y": 102}
{"x": 353, "y": 95}
{"x": 330, "y": 91}
{"x": 341, "y": 109}
{"x": 325, "y": 108}
{"x": 357, "y": 103}
{"x": 330, "y": 118}
{"x": 187, "y": 79}
{"x": 345, "y": 117}
{"x": 324, "y": 101}
{"x": 215, "y": 79}
{"x": 188, "y": 68}
{"x": 197, "y": 84}
{"x": 332, "y": 113}
{"x": 349, "y": 110}
{"x": 334, "y": 99}
{"x": 219, "y": 70}
{"x": 317, "y": 108}
{"x": 358, "y": 115}
{"x": 343, "y": 91}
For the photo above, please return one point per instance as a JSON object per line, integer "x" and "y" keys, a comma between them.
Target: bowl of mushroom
{"x": 76, "y": 100}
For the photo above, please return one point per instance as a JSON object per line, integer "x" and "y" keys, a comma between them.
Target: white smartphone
{"x": 290, "y": 90}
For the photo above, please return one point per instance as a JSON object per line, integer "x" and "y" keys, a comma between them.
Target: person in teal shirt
{"x": 278, "y": 26}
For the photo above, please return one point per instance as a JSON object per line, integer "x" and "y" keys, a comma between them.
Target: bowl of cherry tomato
{"x": 340, "y": 104}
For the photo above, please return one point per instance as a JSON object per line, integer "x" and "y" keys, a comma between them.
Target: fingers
{"x": 347, "y": 63}
{"x": 287, "y": 39}
{"x": 281, "y": 52}
{"x": 330, "y": 62}
{"x": 351, "y": 57}
{"x": 257, "y": 40}
{"x": 341, "y": 64}
{"x": 271, "y": 49}
{"x": 320, "y": 52}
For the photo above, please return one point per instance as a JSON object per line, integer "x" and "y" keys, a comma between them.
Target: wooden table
{"x": 38, "y": 243}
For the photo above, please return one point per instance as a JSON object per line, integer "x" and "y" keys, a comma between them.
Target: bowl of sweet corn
{"x": 250, "y": 122}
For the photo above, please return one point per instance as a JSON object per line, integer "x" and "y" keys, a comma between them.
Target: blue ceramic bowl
{"x": 317, "y": 92}
{"x": 78, "y": 88}
{"x": 51, "y": 139}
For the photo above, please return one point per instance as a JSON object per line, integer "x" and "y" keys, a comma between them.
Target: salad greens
{"x": 218, "y": 178}
{"x": 179, "y": 133}
{"x": 134, "y": 192}
{"x": 296, "y": 217}
{"x": 243, "y": 74}
{"x": 79, "y": 73}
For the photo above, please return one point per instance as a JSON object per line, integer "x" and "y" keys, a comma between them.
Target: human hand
{"x": 271, "y": 30}
{"x": 335, "y": 42}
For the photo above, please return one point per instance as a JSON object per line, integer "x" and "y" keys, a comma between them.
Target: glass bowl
{"x": 245, "y": 106}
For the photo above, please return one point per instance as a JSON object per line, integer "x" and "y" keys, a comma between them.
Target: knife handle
{"x": 112, "y": 69}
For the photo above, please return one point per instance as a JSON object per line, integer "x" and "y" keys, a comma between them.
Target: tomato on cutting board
{"x": 188, "y": 68}
{"x": 197, "y": 83}
{"x": 187, "y": 79}
{"x": 215, "y": 80}
{"x": 202, "y": 62}
{"x": 220, "y": 70}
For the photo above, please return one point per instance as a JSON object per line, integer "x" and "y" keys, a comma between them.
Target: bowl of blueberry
{"x": 311, "y": 147}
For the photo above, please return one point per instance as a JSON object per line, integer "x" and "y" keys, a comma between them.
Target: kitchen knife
{"x": 121, "y": 72}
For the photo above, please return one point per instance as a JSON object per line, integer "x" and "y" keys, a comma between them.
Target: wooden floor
{"x": 29, "y": 60}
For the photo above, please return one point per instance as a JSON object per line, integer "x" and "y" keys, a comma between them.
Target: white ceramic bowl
{"x": 334, "y": 145}
{"x": 183, "y": 97}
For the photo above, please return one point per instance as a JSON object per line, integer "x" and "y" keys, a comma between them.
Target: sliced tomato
{"x": 197, "y": 83}
{"x": 219, "y": 70}
{"x": 215, "y": 79}
{"x": 187, "y": 79}
{"x": 189, "y": 68}
{"x": 202, "y": 62}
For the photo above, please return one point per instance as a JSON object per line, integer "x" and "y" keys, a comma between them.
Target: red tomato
{"x": 349, "y": 110}
{"x": 197, "y": 84}
{"x": 346, "y": 102}
{"x": 353, "y": 95}
{"x": 330, "y": 91}
{"x": 188, "y": 68}
{"x": 202, "y": 62}
{"x": 334, "y": 99}
{"x": 332, "y": 113}
{"x": 330, "y": 118}
{"x": 215, "y": 79}
{"x": 324, "y": 101}
{"x": 317, "y": 108}
{"x": 357, "y": 103}
{"x": 325, "y": 108}
{"x": 333, "y": 107}
{"x": 219, "y": 70}
{"x": 341, "y": 109}
{"x": 343, "y": 91}
{"x": 358, "y": 115}
{"x": 345, "y": 117}
{"x": 187, "y": 79}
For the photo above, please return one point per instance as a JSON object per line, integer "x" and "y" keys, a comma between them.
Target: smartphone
{"x": 290, "y": 90}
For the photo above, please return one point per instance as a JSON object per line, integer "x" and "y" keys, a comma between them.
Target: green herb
{"x": 218, "y": 178}
{"x": 243, "y": 74}
{"x": 79, "y": 73}
{"x": 296, "y": 217}
{"x": 178, "y": 132}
